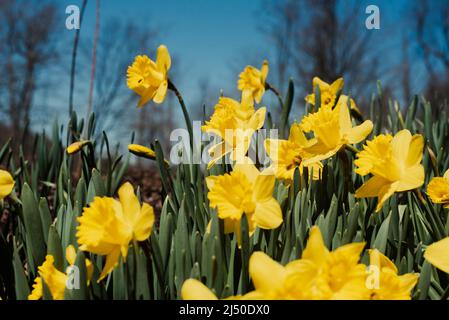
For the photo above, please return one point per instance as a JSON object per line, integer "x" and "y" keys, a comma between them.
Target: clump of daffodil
{"x": 333, "y": 130}
{"x": 234, "y": 123}
{"x": 438, "y": 254}
{"x": 108, "y": 226}
{"x": 287, "y": 155}
{"x": 6, "y": 184}
{"x": 149, "y": 79}
{"x": 252, "y": 80}
{"x": 385, "y": 282}
{"x": 55, "y": 279}
{"x": 247, "y": 191}
{"x": 329, "y": 94}
{"x": 394, "y": 162}
{"x": 321, "y": 274}
{"x": 438, "y": 190}
{"x": 77, "y": 146}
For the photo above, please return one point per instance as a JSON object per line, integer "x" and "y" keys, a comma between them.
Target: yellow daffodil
{"x": 329, "y": 93}
{"x": 108, "y": 226}
{"x": 253, "y": 80}
{"x": 149, "y": 79}
{"x": 55, "y": 280}
{"x": 389, "y": 285}
{"x": 245, "y": 191}
{"x": 234, "y": 123}
{"x": 395, "y": 164}
{"x": 77, "y": 146}
{"x": 142, "y": 151}
{"x": 438, "y": 189}
{"x": 321, "y": 274}
{"x": 438, "y": 254}
{"x": 6, "y": 184}
{"x": 287, "y": 155}
{"x": 332, "y": 130}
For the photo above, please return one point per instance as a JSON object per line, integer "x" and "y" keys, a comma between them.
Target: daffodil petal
{"x": 385, "y": 192}
{"x": 193, "y": 289}
{"x": 412, "y": 179}
{"x": 263, "y": 187}
{"x": 401, "y": 144}
{"x": 360, "y": 132}
{"x": 161, "y": 92}
{"x": 315, "y": 250}
{"x": 144, "y": 223}
{"x": 268, "y": 214}
{"x": 163, "y": 59}
{"x": 267, "y": 274}
{"x": 112, "y": 260}
{"x": 371, "y": 187}
{"x": 438, "y": 254}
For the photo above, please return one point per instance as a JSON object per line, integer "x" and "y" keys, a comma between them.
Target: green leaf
{"x": 55, "y": 248}
{"x": 33, "y": 225}
{"x": 20, "y": 279}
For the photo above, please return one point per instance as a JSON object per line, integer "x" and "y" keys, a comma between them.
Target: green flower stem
{"x": 276, "y": 92}
{"x": 173, "y": 88}
{"x": 433, "y": 161}
{"x": 445, "y": 294}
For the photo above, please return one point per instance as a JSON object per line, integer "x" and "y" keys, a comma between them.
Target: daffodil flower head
{"x": 322, "y": 274}
{"x": 394, "y": 162}
{"x": 108, "y": 226}
{"x": 234, "y": 123}
{"x": 253, "y": 80}
{"x": 149, "y": 79}
{"x": 55, "y": 280}
{"x": 287, "y": 155}
{"x": 245, "y": 191}
{"x": 6, "y": 184}
{"x": 389, "y": 285}
{"x": 332, "y": 129}
{"x": 328, "y": 92}
{"x": 438, "y": 190}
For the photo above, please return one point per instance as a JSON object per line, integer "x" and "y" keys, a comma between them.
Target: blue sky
{"x": 210, "y": 39}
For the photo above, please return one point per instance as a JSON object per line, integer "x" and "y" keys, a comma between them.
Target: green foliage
{"x": 48, "y": 200}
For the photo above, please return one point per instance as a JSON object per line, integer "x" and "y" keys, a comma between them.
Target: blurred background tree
{"x": 27, "y": 50}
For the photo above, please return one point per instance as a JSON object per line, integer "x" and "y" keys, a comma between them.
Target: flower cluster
{"x": 319, "y": 274}
{"x": 251, "y": 201}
